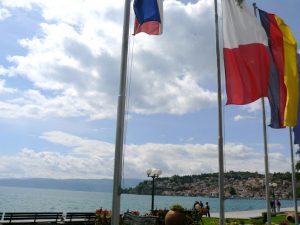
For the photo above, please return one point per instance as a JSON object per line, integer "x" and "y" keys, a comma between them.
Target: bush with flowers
{"x": 135, "y": 212}
{"x": 103, "y": 217}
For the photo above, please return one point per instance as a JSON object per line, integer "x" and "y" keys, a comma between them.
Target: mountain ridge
{"x": 93, "y": 185}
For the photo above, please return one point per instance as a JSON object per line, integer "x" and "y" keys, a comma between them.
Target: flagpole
{"x": 293, "y": 177}
{"x": 220, "y": 139}
{"x": 265, "y": 150}
{"x": 120, "y": 120}
{"x": 266, "y": 163}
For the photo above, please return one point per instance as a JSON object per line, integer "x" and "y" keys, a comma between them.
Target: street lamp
{"x": 153, "y": 173}
{"x": 273, "y": 186}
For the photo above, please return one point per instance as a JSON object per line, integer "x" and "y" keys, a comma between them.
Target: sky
{"x": 59, "y": 81}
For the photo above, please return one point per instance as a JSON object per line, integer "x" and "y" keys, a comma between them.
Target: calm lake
{"x": 30, "y": 200}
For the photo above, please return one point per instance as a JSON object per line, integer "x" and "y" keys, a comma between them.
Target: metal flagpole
{"x": 293, "y": 177}
{"x": 220, "y": 140}
{"x": 120, "y": 120}
{"x": 266, "y": 163}
{"x": 265, "y": 151}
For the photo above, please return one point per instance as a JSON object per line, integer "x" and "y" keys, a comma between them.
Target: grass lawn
{"x": 257, "y": 221}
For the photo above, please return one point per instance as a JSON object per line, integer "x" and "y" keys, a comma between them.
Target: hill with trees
{"x": 237, "y": 185}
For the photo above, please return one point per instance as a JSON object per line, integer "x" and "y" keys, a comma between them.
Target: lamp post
{"x": 273, "y": 186}
{"x": 153, "y": 173}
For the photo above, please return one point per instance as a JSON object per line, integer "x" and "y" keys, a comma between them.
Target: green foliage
{"x": 232, "y": 191}
{"x": 297, "y": 173}
{"x": 279, "y": 219}
{"x": 257, "y": 221}
{"x": 142, "y": 188}
{"x": 281, "y": 176}
{"x": 178, "y": 183}
{"x": 177, "y": 208}
{"x": 189, "y": 221}
{"x": 298, "y": 166}
{"x": 243, "y": 175}
{"x": 234, "y": 221}
{"x": 210, "y": 221}
{"x": 240, "y": 1}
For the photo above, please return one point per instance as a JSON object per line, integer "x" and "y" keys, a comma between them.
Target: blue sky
{"x": 59, "y": 79}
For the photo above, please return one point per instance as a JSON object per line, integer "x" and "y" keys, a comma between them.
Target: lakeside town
{"x": 237, "y": 185}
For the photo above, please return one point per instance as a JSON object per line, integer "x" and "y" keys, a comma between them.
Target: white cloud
{"x": 240, "y": 117}
{"x": 4, "y": 14}
{"x": 33, "y": 104}
{"x": 76, "y": 58}
{"x": 254, "y": 106}
{"x": 88, "y": 158}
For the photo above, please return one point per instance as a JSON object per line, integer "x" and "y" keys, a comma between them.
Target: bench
{"x": 31, "y": 217}
{"x": 88, "y": 217}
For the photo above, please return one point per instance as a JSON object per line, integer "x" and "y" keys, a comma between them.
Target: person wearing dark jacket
{"x": 208, "y": 208}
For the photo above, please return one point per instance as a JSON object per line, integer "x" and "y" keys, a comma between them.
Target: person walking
{"x": 201, "y": 204}
{"x": 278, "y": 204}
{"x": 207, "y": 208}
{"x": 272, "y": 206}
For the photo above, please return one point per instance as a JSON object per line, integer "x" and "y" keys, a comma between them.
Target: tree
{"x": 232, "y": 191}
{"x": 297, "y": 173}
{"x": 298, "y": 162}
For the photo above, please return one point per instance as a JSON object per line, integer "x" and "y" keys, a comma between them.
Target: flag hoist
{"x": 220, "y": 123}
{"x": 284, "y": 82}
{"x": 247, "y": 65}
{"x": 261, "y": 61}
{"x": 115, "y": 219}
{"x": 149, "y": 20}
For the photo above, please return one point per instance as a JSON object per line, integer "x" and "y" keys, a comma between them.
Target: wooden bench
{"x": 88, "y": 217}
{"x": 31, "y": 217}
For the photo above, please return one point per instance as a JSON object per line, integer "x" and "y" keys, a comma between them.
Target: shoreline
{"x": 248, "y": 214}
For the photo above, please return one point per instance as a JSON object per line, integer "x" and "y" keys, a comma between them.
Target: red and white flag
{"x": 246, "y": 56}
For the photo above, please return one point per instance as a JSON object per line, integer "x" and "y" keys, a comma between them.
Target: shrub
{"x": 257, "y": 221}
{"x": 284, "y": 222}
{"x": 177, "y": 208}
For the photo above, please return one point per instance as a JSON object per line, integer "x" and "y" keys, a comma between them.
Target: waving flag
{"x": 149, "y": 16}
{"x": 284, "y": 83}
{"x": 297, "y": 128}
{"x": 246, "y": 57}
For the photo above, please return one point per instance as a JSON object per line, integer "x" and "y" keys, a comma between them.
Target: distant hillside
{"x": 97, "y": 185}
{"x": 236, "y": 185}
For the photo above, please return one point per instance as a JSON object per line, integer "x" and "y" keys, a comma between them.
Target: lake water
{"x": 30, "y": 200}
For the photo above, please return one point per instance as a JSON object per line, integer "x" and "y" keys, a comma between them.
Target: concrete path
{"x": 247, "y": 214}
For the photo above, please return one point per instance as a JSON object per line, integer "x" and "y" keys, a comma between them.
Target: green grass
{"x": 257, "y": 221}
{"x": 279, "y": 218}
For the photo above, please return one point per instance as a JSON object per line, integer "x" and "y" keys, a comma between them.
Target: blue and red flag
{"x": 297, "y": 128}
{"x": 149, "y": 16}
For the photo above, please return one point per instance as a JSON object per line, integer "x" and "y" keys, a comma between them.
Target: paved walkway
{"x": 247, "y": 214}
